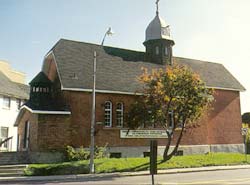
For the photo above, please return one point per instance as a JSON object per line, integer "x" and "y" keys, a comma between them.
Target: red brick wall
{"x": 225, "y": 119}
{"x": 32, "y": 118}
{"x": 54, "y": 132}
{"x": 221, "y": 126}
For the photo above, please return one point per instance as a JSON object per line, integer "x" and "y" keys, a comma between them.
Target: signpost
{"x": 153, "y": 159}
{"x": 244, "y": 132}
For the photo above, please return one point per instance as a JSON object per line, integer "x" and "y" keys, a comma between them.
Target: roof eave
{"x": 24, "y": 107}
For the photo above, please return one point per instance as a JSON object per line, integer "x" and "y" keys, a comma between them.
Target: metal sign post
{"x": 153, "y": 159}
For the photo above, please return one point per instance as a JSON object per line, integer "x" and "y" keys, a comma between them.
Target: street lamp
{"x": 109, "y": 32}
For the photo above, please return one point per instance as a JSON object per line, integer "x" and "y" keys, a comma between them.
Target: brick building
{"x": 58, "y": 112}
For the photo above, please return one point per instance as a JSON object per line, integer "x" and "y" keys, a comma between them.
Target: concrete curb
{"x": 85, "y": 176}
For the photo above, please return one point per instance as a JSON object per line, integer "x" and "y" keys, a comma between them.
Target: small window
{"x": 108, "y": 114}
{"x": 179, "y": 153}
{"x": 166, "y": 51}
{"x": 157, "y": 51}
{"x": 119, "y": 115}
{"x": 18, "y": 103}
{"x": 146, "y": 154}
{"x": 3, "y": 136}
{"x": 115, "y": 155}
{"x": 6, "y": 102}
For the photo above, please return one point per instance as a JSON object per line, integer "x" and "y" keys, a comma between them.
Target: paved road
{"x": 240, "y": 176}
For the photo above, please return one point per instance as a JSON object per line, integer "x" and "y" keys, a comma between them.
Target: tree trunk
{"x": 167, "y": 156}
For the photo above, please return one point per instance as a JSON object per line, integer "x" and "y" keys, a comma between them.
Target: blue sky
{"x": 211, "y": 30}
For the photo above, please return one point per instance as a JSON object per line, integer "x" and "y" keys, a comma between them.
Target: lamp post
{"x": 92, "y": 131}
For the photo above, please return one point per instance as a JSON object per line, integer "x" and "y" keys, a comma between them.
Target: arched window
{"x": 119, "y": 115}
{"x": 108, "y": 113}
{"x": 157, "y": 50}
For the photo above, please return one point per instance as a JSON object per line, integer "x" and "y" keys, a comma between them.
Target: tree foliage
{"x": 246, "y": 117}
{"x": 172, "y": 98}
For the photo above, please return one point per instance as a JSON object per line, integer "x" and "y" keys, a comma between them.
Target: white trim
{"x": 133, "y": 93}
{"x": 45, "y": 112}
{"x": 228, "y": 89}
{"x": 100, "y": 91}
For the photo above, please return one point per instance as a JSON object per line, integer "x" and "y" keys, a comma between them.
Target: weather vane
{"x": 157, "y": 6}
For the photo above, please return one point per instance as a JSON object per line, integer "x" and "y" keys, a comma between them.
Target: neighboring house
{"x": 13, "y": 93}
{"x": 58, "y": 112}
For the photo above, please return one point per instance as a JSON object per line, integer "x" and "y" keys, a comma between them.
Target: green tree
{"x": 246, "y": 117}
{"x": 172, "y": 99}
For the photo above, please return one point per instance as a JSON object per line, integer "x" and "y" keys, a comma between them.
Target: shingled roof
{"x": 9, "y": 88}
{"x": 118, "y": 69}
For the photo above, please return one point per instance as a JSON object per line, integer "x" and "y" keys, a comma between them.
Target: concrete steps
{"x": 11, "y": 170}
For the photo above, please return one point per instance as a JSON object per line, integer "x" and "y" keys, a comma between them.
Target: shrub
{"x": 83, "y": 154}
{"x": 76, "y": 155}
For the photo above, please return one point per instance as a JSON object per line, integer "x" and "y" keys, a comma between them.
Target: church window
{"x": 157, "y": 50}
{"x": 108, "y": 113}
{"x": 119, "y": 115}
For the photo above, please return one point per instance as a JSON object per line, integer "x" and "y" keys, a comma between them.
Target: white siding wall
{"x": 7, "y": 119}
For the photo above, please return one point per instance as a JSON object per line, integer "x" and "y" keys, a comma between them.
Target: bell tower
{"x": 158, "y": 42}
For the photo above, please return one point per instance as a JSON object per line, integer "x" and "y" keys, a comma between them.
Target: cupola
{"x": 158, "y": 41}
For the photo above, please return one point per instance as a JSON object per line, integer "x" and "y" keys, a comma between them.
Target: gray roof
{"x": 9, "y": 88}
{"x": 118, "y": 69}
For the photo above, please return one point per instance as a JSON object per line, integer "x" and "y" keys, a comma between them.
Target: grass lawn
{"x": 108, "y": 165}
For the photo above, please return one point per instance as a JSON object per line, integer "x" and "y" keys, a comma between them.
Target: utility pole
{"x": 92, "y": 131}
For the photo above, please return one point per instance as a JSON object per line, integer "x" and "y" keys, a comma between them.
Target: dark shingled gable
{"x": 118, "y": 69}
{"x": 9, "y": 88}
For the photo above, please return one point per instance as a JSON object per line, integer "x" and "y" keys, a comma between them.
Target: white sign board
{"x": 143, "y": 134}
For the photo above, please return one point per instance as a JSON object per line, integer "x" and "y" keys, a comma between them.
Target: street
{"x": 240, "y": 176}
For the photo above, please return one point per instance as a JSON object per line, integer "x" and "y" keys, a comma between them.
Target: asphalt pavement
{"x": 123, "y": 174}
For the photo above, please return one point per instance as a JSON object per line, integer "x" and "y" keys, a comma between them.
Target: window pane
{"x": 166, "y": 51}
{"x": 6, "y": 102}
{"x": 108, "y": 114}
{"x": 119, "y": 115}
{"x": 157, "y": 50}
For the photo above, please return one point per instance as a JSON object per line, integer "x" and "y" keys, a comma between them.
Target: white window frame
{"x": 4, "y": 102}
{"x": 108, "y": 112}
{"x": 119, "y": 114}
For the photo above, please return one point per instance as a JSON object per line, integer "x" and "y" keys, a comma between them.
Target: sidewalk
{"x": 83, "y": 176}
